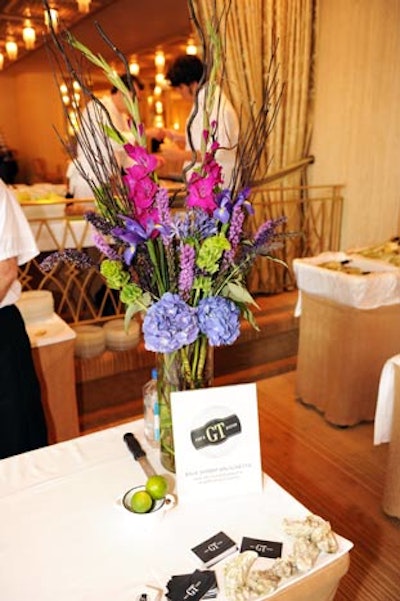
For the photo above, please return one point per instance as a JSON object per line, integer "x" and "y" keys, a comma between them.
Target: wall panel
{"x": 356, "y": 139}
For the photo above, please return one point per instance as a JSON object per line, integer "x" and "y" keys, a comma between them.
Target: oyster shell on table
{"x": 242, "y": 584}
{"x": 305, "y": 554}
{"x": 314, "y": 528}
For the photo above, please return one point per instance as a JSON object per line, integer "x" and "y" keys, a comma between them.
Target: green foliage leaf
{"x": 140, "y": 305}
{"x": 238, "y": 293}
{"x": 248, "y": 315}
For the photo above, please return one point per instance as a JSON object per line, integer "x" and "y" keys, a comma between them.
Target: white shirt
{"x": 95, "y": 139}
{"x": 16, "y": 238}
{"x": 227, "y": 130}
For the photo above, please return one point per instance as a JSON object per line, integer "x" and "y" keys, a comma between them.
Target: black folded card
{"x": 192, "y": 587}
{"x": 265, "y": 548}
{"x": 215, "y": 549}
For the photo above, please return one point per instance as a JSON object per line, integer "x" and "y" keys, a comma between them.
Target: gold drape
{"x": 252, "y": 32}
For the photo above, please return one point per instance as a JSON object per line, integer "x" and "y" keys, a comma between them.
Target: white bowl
{"x": 89, "y": 342}
{"x": 36, "y": 305}
{"x": 117, "y": 338}
{"x": 156, "y": 513}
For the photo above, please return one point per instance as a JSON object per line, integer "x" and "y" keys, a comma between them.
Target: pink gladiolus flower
{"x": 141, "y": 157}
{"x": 201, "y": 193}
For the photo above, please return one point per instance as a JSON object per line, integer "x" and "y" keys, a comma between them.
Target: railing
{"x": 313, "y": 225}
{"x": 314, "y": 216}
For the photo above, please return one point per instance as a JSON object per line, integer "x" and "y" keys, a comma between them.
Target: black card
{"x": 265, "y": 548}
{"x": 193, "y": 587}
{"x": 215, "y": 549}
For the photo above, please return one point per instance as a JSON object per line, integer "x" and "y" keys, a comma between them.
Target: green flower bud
{"x": 114, "y": 274}
{"x": 130, "y": 293}
{"x": 211, "y": 251}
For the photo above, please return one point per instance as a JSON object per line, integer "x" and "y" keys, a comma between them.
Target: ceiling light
{"x": 29, "y": 35}
{"x": 1, "y": 60}
{"x": 191, "y": 47}
{"x": 160, "y": 79}
{"x": 158, "y": 107}
{"x": 83, "y": 5}
{"x": 159, "y": 60}
{"x": 51, "y": 15}
{"x": 134, "y": 67}
{"x": 11, "y": 48}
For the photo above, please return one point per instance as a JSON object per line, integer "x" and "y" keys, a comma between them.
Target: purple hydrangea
{"x": 219, "y": 320}
{"x": 169, "y": 325}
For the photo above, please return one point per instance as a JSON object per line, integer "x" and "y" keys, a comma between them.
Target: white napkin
{"x": 385, "y": 402}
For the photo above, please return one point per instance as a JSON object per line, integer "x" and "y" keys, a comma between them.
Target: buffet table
{"x": 66, "y": 536}
{"x": 349, "y": 325}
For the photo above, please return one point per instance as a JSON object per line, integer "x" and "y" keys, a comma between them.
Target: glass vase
{"x": 189, "y": 368}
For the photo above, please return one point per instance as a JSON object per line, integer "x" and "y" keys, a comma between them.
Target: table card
{"x": 217, "y": 444}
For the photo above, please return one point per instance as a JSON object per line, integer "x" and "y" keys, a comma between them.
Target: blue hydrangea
{"x": 169, "y": 324}
{"x": 219, "y": 320}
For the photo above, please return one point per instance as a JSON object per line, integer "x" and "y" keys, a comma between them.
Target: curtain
{"x": 271, "y": 41}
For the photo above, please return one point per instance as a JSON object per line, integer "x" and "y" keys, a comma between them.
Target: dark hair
{"x": 185, "y": 69}
{"x": 135, "y": 81}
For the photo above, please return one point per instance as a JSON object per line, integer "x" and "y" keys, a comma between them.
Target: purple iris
{"x": 224, "y": 208}
{"x": 242, "y": 200}
{"x": 132, "y": 234}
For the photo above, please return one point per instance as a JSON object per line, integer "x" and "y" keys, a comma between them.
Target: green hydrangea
{"x": 130, "y": 293}
{"x": 211, "y": 251}
{"x": 114, "y": 274}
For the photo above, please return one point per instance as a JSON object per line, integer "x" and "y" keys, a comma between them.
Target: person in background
{"x": 185, "y": 74}
{"x": 22, "y": 420}
{"x": 8, "y": 162}
{"x": 93, "y": 138}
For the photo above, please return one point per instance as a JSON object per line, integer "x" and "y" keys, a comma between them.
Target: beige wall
{"x": 29, "y": 108}
{"x": 356, "y": 138}
{"x": 9, "y": 125}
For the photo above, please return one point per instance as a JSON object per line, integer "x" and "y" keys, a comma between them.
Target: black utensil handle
{"x": 134, "y": 445}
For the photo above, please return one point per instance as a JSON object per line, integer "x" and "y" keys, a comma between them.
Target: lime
{"x": 157, "y": 487}
{"x": 141, "y": 502}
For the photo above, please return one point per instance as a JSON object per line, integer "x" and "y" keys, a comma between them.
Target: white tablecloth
{"x": 379, "y": 288}
{"x": 385, "y": 402}
{"x": 49, "y": 331}
{"x": 64, "y": 536}
{"x": 54, "y": 234}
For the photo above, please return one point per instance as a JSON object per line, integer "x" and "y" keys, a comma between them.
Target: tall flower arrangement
{"x": 183, "y": 270}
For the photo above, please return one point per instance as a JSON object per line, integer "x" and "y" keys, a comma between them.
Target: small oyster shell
{"x": 236, "y": 572}
{"x": 283, "y": 568}
{"x": 262, "y": 582}
{"x": 315, "y": 529}
{"x": 305, "y": 554}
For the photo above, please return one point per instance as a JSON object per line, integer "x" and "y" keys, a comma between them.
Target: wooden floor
{"x": 339, "y": 474}
{"x": 336, "y": 472}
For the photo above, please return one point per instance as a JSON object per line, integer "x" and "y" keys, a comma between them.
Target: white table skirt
{"x": 385, "y": 402}
{"x": 54, "y": 234}
{"x": 64, "y": 536}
